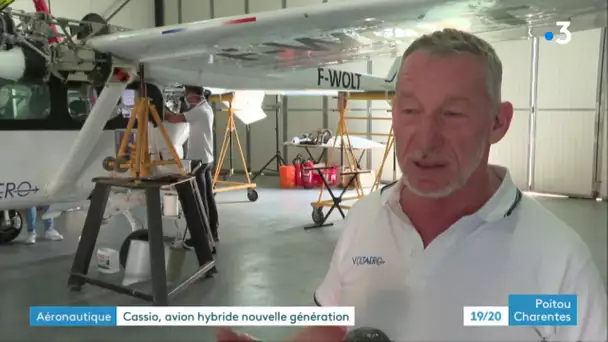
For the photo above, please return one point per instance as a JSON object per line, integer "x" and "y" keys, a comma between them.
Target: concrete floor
{"x": 265, "y": 258}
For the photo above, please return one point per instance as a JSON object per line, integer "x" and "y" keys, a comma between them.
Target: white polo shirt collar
{"x": 500, "y": 205}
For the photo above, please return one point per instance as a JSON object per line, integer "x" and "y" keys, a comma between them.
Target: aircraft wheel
{"x": 108, "y": 164}
{"x": 123, "y": 253}
{"x": 317, "y": 215}
{"x": 9, "y": 231}
{"x": 252, "y": 195}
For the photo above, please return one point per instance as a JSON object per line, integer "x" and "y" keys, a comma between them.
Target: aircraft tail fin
{"x": 391, "y": 77}
{"x": 247, "y": 105}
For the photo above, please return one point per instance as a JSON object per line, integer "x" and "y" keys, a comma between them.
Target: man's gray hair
{"x": 450, "y": 41}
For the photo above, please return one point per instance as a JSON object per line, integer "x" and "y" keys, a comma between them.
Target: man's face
{"x": 443, "y": 122}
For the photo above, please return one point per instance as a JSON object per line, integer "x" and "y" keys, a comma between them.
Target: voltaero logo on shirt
{"x": 368, "y": 260}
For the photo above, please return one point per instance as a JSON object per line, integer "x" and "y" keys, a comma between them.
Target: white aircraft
{"x": 58, "y": 100}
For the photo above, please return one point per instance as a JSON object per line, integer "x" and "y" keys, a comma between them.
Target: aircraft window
{"x": 24, "y": 100}
{"x": 81, "y": 100}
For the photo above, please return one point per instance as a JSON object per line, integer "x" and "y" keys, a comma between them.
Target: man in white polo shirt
{"x": 199, "y": 115}
{"x": 454, "y": 231}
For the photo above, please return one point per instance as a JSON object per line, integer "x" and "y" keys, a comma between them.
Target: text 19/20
{"x": 488, "y": 316}
{"x": 485, "y": 316}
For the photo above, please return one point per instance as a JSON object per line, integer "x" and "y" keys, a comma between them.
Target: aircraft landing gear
{"x": 11, "y": 224}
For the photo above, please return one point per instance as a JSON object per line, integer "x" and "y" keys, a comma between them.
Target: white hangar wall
{"x": 555, "y": 148}
{"x": 136, "y": 14}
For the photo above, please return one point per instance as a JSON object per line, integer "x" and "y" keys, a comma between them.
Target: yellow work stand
{"x": 139, "y": 161}
{"x": 230, "y": 134}
{"x": 343, "y": 135}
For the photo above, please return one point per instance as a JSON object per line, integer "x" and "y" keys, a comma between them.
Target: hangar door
{"x": 566, "y": 121}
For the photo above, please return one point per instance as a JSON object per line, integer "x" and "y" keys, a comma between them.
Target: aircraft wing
{"x": 282, "y": 49}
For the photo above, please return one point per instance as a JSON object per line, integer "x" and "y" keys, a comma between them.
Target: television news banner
{"x": 522, "y": 310}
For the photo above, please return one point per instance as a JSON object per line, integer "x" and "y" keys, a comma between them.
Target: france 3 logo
{"x": 564, "y": 30}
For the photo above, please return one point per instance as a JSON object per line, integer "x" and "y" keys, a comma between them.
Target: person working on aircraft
{"x": 178, "y": 133}
{"x": 199, "y": 114}
{"x": 50, "y": 233}
{"x": 454, "y": 231}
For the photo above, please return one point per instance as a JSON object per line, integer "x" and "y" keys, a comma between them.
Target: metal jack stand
{"x": 278, "y": 157}
{"x": 141, "y": 167}
{"x": 160, "y": 295}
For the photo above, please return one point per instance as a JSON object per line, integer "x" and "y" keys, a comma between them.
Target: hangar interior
{"x": 557, "y": 144}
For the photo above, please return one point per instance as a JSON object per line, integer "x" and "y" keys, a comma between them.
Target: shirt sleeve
{"x": 329, "y": 292}
{"x": 592, "y": 318}
{"x": 200, "y": 112}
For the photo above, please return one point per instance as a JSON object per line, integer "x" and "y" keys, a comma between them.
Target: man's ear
{"x": 502, "y": 122}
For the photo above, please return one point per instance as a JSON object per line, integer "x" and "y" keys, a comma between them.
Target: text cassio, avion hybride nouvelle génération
{"x": 233, "y": 317}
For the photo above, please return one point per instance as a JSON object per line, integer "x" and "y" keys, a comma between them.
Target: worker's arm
{"x": 174, "y": 118}
{"x": 191, "y": 115}
{"x": 228, "y": 335}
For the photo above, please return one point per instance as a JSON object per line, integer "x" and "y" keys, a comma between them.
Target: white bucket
{"x": 170, "y": 205}
{"x": 107, "y": 260}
